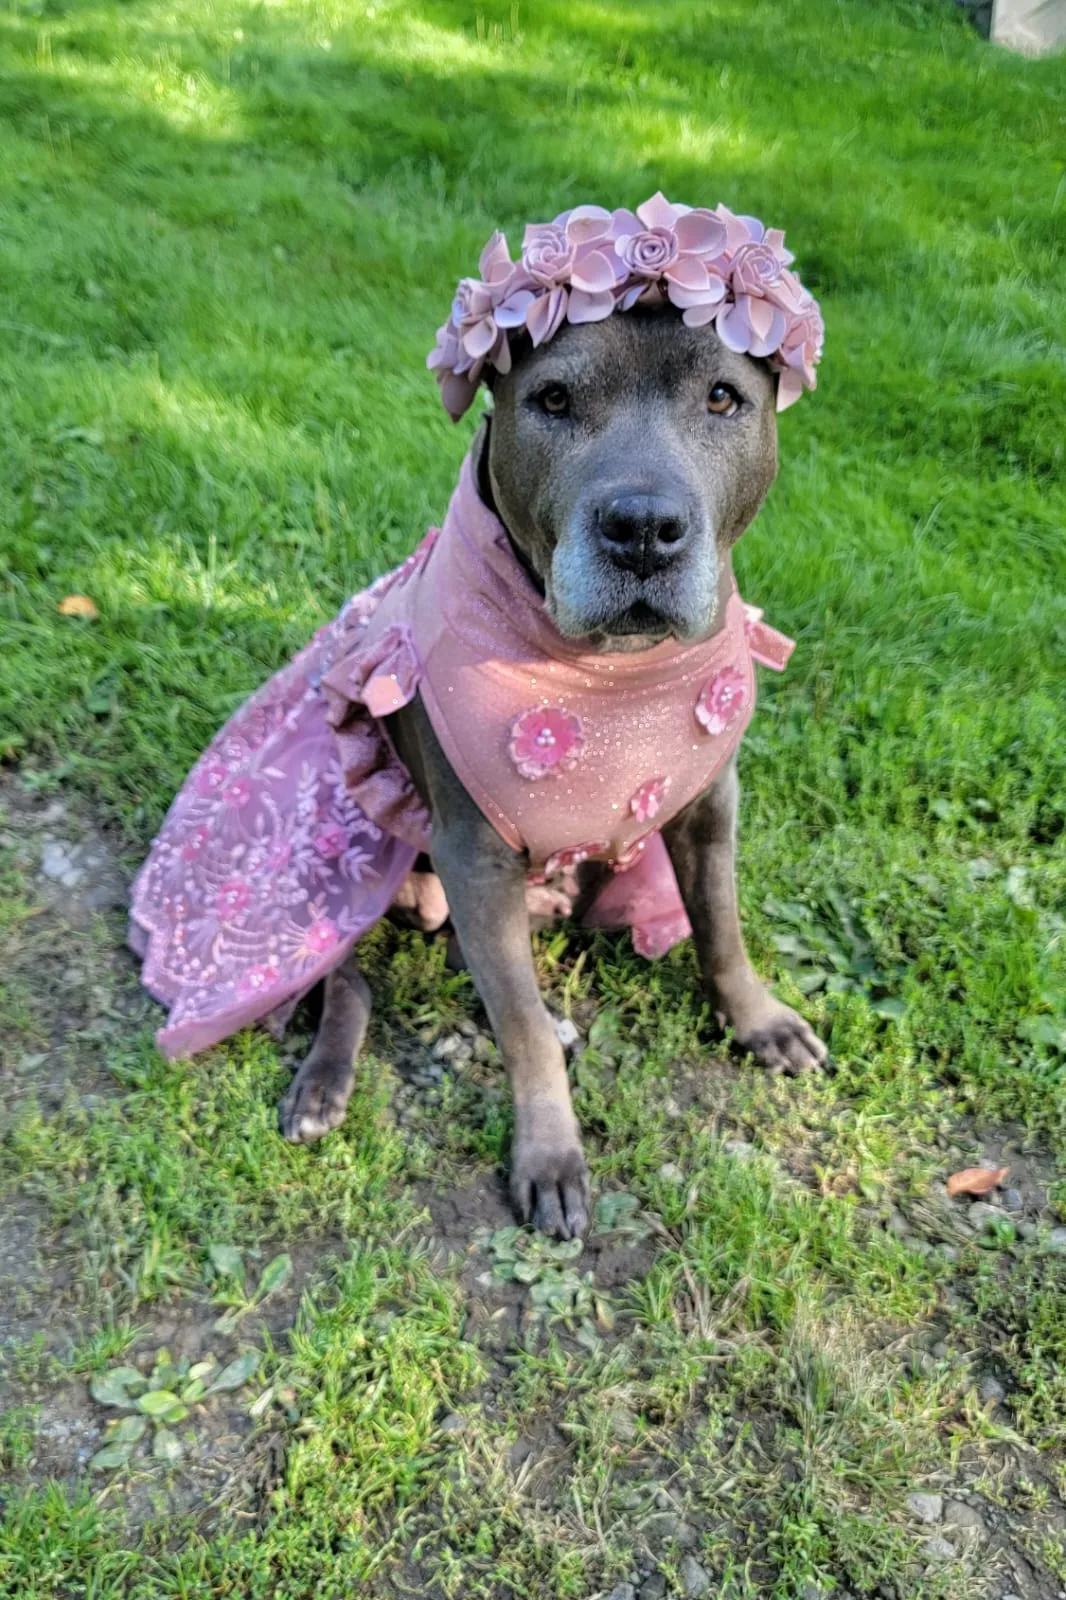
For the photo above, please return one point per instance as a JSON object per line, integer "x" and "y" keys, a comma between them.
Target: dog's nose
{"x": 643, "y": 532}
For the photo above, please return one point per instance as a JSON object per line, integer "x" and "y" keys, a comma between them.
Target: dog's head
{"x": 625, "y": 458}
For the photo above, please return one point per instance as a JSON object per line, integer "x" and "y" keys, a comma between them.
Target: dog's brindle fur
{"x": 623, "y": 491}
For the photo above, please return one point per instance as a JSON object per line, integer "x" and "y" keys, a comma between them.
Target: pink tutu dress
{"x": 296, "y": 829}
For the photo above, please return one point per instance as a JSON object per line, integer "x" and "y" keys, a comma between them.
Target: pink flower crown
{"x": 714, "y": 266}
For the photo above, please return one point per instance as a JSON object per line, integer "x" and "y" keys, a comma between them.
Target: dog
{"x": 623, "y": 458}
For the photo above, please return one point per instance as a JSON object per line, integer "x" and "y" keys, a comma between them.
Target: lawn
{"x": 228, "y": 232}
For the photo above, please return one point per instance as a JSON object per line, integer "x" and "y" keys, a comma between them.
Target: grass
{"x": 227, "y": 232}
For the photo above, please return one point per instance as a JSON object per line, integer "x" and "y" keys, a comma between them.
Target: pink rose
{"x": 722, "y": 700}
{"x": 548, "y": 254}
{"x": 648, "y": 253}
{"x": 545, "y": 740}
{"x": 756, "y": 269}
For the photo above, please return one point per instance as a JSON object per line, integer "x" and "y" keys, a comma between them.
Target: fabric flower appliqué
{"x": 722, "y": 700}
{"x": 573, "y": 855}
{"x": 647, "y": 801}
{"x": 545, "y": 740}
{"x": 320, "y": 937}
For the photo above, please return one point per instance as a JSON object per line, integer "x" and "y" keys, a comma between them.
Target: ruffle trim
{"x": 369, "y": 683}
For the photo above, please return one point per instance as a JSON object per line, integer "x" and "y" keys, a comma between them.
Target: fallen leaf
{"x": 77, "y": 605}
{"x": 976, "y": 1180}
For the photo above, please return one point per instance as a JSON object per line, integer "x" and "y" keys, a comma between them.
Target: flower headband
{"x": 714, "y": 266}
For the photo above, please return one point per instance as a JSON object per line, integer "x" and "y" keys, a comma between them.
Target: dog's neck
{"x": 626, "y": 644}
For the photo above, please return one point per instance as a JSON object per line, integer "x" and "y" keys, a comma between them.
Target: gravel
{"x": 694, "y": 1581}
{"x": 991, "y": 1389}
{"x": 938, "y": 1550}
{"x": 926, "y": 1507}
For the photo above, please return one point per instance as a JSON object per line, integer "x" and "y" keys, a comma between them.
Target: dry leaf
{"x": 77, "y": 605}
{"x": 976, "y": 1180}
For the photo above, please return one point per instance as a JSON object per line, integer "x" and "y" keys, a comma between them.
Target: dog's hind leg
{"x": 702, "y": 846}
{"x": 318, "y": 1099}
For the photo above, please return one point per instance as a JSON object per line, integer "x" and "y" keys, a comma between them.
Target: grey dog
{"x": 625, "y": 459}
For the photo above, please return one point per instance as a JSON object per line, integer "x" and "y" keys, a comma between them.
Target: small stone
{"x": 991, "y": 1389}
{"x": 898, "y": 1224}
{"x": 926, "y": 1507}
{"x": 447, "y": 1046}
{"x": 1056, "y": 1239}
{"x": 671, "y": 1172}
{"x": 694, "y": 1581}
{"x": 940, "y": 1350}
{"x": 624, "y": 1591}
{"x": 453, "y": 1423}
{"x": 435, "y": 1071}
{"x": 1028, "y": 1230}
{"x": 1014, "y": 1200}
{"x": 959, "y": 1515}
{"x": 739, "y": 1149}
{"x": 467, "y": 1028}
{"x": 484, "y": 1049}
{"x": 464, "y": 1054}
{"x": 567, "y": 1034}
{"x": 668, "y": 1526}
{"x": 653, "y": 1588}
{"x": 811, "y": 1591}
{"x": 981, "y": 1214}
{"x": 949, "y": 1252}
{"x": 938, "y": 1550}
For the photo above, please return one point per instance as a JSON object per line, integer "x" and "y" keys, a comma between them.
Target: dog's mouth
{"x": 642, "y": 618}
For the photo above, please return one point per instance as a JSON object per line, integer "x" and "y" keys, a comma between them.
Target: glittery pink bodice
{"x": 571, "y": 754}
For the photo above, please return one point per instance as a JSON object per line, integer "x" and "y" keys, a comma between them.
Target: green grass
{"x": 227, "y": 233}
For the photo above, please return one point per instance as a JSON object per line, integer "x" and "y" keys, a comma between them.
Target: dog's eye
{"x": 723, "y": 400}
{"x": 554, "y": 399}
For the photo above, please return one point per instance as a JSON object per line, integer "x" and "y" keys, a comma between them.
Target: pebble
{"x": 671, "y": 1172}
{"x": 926, "y": 1507}
{"x": 467, "y": 1028}
{"x": 1028, "y": 1230}
{"x": 959, "y": 1515}
{"x": 949, "y": 1252}
{"x": 567, "y": 1034}
{"x": 447, "y": 1046}
{"x": 938, "y": 1550}
{"x": 624, "y": 1591}
{"x": 981, "y": 1214}
{"x": 57, "y": 863}
{"x": 694, "y": 1580}
{"x": 484, "y": 1049}
{"x": 668, "y": 1525}
{"x": 453, "y": 1423}
{"x": 1014, "y": 1200}
{"x": 812, "y": 1591}
{"x": 739, "y": 1148}
{"x": 940, "y": 1350}
{"x": 1057, "y": 1239}
{"x": 991, "y": 1389}
{"x": 653, "y": 1588}
{"x": 898, "y": 1224}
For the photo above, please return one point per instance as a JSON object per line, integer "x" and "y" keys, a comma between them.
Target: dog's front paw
{"x": 550, "y": 1181}
{"x": 779, "y": 1038}
{"x": 317, "y": 1101}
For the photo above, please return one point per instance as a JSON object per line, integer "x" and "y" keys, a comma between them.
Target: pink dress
{"x": 296, "y": 829}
